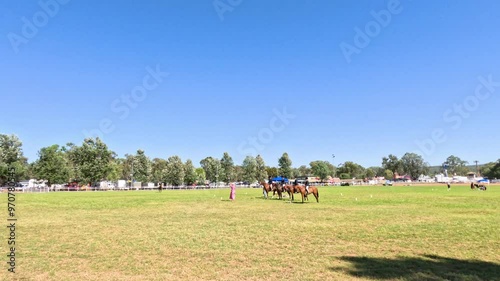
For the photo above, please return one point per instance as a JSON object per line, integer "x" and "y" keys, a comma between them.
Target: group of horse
{"x": 289, "y": 189}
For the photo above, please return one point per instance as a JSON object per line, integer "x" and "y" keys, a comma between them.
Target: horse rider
{"x": 307, "y": 186}
{"x": 296, "y": 182}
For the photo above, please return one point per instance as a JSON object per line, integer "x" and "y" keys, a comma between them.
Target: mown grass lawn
{"x": 354, "y": 233}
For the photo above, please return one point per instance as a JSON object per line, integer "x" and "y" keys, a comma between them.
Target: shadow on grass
{"x": 284, "y": 199}
{"x": 270, "y": 198}
{"x": 427, "y": 267}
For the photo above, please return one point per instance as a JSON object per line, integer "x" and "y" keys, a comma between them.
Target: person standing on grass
{"x": 449, "y": 186}
{"x": 232, "y": 195}
{"x": 160, "y": 187}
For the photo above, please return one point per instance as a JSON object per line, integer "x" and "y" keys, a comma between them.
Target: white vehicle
{"x": 122, "y": 185}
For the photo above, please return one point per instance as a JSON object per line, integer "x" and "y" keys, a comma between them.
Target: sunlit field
{"x": 353, "y": 233}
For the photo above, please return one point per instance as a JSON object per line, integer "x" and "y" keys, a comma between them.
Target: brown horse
{"x": 278, "y": 188}
{"x": 290, "y": 189}
{"x": 266, "y": 188}
{"x": 275, "y": 188}
{"x": 314, "y": 191}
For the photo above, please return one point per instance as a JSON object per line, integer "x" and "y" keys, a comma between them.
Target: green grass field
{"x": 354, "y": 233}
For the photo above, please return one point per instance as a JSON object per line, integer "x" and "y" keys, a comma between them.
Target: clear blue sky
{"x": 227, "y": 76}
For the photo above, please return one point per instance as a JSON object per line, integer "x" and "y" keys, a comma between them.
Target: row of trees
{"x": 11, "y": 156}
{"x": 93, "y": 161}
{"x": 414, "y": 165}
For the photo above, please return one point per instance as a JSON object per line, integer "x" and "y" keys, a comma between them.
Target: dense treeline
{"x": 93, "y": 161}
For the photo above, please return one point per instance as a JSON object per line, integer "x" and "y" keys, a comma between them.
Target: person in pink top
{"x": 232, "y": 195}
